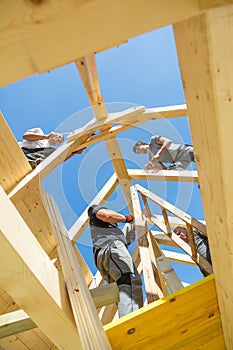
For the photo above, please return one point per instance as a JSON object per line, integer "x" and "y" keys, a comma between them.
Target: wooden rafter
{"x": 90, "y": 81}
{"x": 81, "y": 224}
{"x": 40, "y": 284}
{"x": 86, "y": 317}
{"x": 27, "y": 50}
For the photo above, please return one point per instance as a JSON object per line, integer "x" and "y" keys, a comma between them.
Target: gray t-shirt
{"x": 169, "y": 155}
{"x": 102, "y": 232}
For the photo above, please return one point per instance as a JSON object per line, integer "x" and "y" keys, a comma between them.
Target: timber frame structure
{"x": 47, "y": 299}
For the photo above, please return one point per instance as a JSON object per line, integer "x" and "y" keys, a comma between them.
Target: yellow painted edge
{"x": 157, "y": 303}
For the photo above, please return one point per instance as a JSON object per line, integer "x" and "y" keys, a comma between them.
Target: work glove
{"x": 129, "y": 218}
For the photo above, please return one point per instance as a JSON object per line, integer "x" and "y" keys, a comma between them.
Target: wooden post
{"x": 205, "y": 51}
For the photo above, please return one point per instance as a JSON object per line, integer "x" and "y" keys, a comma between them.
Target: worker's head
{"x": 55, "y": 139}
{"x": 90, "y": 209}
{"x": 141, "y": 147}
{"x": 182, "y": 233}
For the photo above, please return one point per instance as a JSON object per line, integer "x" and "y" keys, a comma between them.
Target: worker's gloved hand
{"x": 129, "y": 218}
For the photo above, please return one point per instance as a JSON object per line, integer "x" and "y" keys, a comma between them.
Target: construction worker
{"x": 37, "y": 146}
{"x": 201, "y": 242}
{"x": 161, "y": 149}
{"x": 112, "y": 257}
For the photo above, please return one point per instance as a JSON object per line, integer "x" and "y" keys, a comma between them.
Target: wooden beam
{"x": 88, "y": 72}
{"x": 178, "y": 257}
{"x": 129, "y": 117}
{"x": 29, "y": 276}
{"x": 18, "y": 321}
{"x": 200, "y": 261}
{"x": 26, "y": 49}
{"x": 13, "y": 163}
{"x": 153, "y": 291}
{"x": 90, "y": 80}
{"x": 205, "y": 56}
{"x": 15, "y": 322}
{"x": 105, "y": 295}
{"x": 206, "y": 4}
{"x": 186, "y": 306}
{"x": 165, "y": 268}
{"x": 86, "y": 317}
{"x": 173, "y": 209}
{"x": 81, "y": 224}
{"x": 164, "y": 175}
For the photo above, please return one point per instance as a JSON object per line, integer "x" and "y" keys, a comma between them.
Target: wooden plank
{"x": 87, "y": 274}
{"x": 88, "y": 72}
{"x": 129, "y": 117}
{"x": 205, "y": 56}
{"x": 172, "y": 209}
{"x": 13, "y": 164}
{"x": 105, "y": 295}
{"x": 15, "y": 322}
{"x": 200, "y": 261}
{"x": 151, "y": 287}
{"x": 81, "y": 224}
{"x": 165, "y": 268}
{"x": 26, "y": 49}
{"x": 178, "y": 257}
{"x": 162, "y": 238}
{"x": 164, "y": 175}
{"x": 206, "y": 4}
{"x": 30, "y": 277}
{"x": 195, "y": 308}
{"x": 86, "y": 317}
{"x": 18, "y": 321}
{"x": 91, "y": 83}
{"x": 31, "y": 339}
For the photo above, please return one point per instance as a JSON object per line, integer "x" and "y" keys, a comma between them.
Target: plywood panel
{"x": 187, "y": 319}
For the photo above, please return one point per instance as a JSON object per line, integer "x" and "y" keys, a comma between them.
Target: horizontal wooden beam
{"x": 127, "y": 115}
{"x": 164, "y": 175}
{"x": 137, "y": 330}
{"x": 18, "y": 321}
{"x": 178, "y": 257}
{"x": 75, "y": 29}
{"x": 105, "y": 295}
{"x": 15, "y": 322}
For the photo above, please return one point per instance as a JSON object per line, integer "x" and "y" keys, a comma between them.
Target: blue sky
{"x": 143, "y": 71}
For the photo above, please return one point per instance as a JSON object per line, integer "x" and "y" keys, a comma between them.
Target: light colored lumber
{"x": 205, "y": 53}
{"x": 162, "y": 238}
{"x": 15, "y": 322}
{"x": 193, "y": 309}
{"x": 178, "y": 257}
{"x": 88, "y": 72}
{"x": 105, "y": 295}
{"x": 86, "y": 317}
{"x": 172, "y": 209}
{"x": 87, "y": 274}
{"x": 153, "y": 291}
{"x": 165, "y": 269}
{"x": 89, "y": 75}
{"x": 206, "y": 4}
{"x": 27, "y": 50}
{"x": 13, "y": 163}
{"x": 18, "y": 321}
{"x": 29, "y": 276}
{"x": 164, "y": 175}
{"x": 81, "y": 224}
